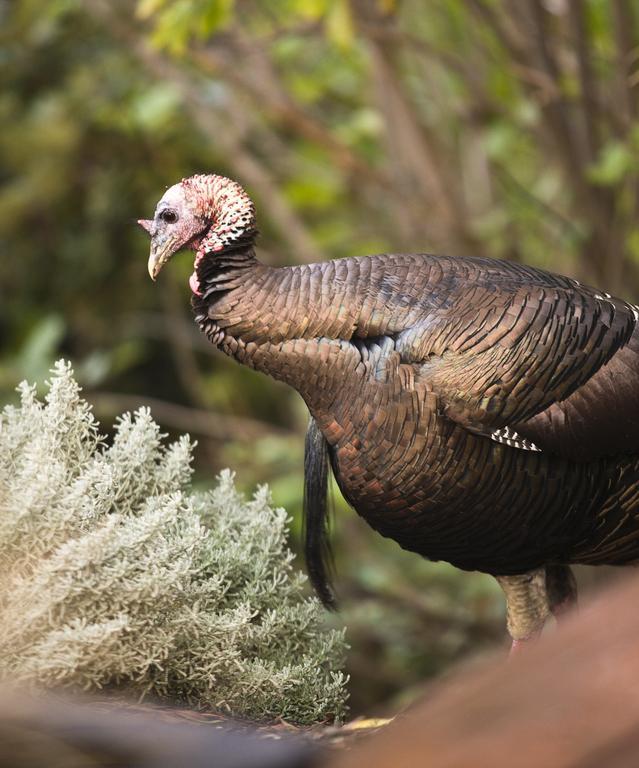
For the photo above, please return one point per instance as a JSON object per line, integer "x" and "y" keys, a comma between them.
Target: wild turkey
{"x": 475, "y": 411}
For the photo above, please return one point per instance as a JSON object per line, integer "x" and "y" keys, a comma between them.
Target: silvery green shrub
{"x": 114, "y": 575}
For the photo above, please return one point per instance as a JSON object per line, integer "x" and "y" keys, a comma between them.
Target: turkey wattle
{"x": 475, "y": 411}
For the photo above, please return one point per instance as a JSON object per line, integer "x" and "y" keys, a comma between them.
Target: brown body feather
{"x": 426, "y": 373}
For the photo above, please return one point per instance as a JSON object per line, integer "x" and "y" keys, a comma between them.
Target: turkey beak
{"x": 161, "y": 252}
{"x": 162, "y": 247}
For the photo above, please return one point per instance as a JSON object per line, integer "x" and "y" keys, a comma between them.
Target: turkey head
{"x": 206, "y": 213}
{"x": 177, "y": 223}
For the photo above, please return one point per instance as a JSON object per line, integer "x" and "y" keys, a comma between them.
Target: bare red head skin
{"x": 205, "y": 213}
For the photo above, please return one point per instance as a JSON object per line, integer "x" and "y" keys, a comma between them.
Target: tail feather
{"x": 317, "y": 549}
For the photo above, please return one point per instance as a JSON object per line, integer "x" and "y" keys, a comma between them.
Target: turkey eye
{"x": 170, "y": 217}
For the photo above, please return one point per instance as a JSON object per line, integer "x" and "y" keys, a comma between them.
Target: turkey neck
{"x": 277, "y": 319}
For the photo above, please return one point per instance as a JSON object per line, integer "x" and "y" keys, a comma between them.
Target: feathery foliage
{"x": 112, "y": 574}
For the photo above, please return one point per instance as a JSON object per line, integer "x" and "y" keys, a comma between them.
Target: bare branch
{"x": 217, "y": 426}
{"x": 506, "y": 32}
{"x": 510, "y": 182}
{"x": 556, "y": 109}
{"x": 627, "y": 54}
{"x": 589, "y": 99}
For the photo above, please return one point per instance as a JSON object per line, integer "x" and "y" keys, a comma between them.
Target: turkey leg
{"x": 527, "y": 606}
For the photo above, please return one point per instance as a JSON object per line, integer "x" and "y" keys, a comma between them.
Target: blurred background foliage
{"x": 504, "y": 128}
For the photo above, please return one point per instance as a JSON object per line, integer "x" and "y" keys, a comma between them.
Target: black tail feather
{"x": 317, "y": 549}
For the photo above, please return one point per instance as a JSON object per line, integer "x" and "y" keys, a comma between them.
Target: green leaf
{"x": 215, "y": 16}
{"x": 614, "y": 164}
{"x": 339, "y": 23}
{"x": 155, "y": 106}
